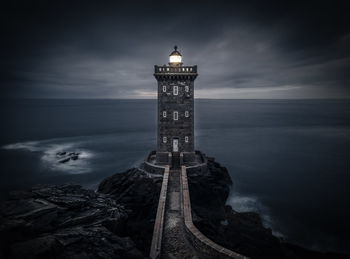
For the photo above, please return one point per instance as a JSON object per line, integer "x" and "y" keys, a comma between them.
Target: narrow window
{"x": 186, "y": 139}
{"x": 164, "y": 114}
{"x": 186, "y": 88}
{"x": 176, "y": 116}
{"x": 187, "y": 69}
{"x": 187, "y": 114}
{"x": 164, "y": 88}
{"x": 164, "y": 140}
{"x": 176, "y": 90}
{"x": 167, "y": 69}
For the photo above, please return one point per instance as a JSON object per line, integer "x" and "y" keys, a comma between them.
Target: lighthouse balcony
{"x": 159, "y": 70}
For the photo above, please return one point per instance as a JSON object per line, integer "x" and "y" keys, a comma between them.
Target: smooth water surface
{"x": 289, "y": 159}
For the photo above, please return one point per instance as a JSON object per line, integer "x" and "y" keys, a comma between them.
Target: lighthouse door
{"x": 175, "y": 145}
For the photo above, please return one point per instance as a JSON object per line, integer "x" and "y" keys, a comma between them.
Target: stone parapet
{"x": 200, "y": 243}
{"x": 150, "y": 165}
{"x": 159, "y": 221}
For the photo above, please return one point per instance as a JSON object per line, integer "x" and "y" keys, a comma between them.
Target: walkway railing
{"x": 159, "y": 222}
{"x": 203, "y": 245}
{"x": 199, "y": 241}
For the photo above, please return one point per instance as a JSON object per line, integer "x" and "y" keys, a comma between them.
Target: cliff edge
{"x": 116, "y": 221}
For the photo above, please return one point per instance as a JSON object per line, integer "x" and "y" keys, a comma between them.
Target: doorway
{"x": 175, "y": 145}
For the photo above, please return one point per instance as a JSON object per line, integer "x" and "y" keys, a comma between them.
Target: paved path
{"x": 174, "y": 243}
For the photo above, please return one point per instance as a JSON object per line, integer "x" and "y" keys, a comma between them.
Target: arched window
{"x": 164, "y": 139}
{"x": 187, "y": 114}
{"x": 164, "y": 114}
{"x": 164, "y": 88}
{"x": 186, "y": 139}
{"x": 187, "y": 88}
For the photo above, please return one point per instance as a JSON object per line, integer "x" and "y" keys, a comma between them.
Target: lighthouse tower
{"x": 175, "y": 109}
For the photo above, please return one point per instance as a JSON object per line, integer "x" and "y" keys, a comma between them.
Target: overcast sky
{"x": 259, "y": 49}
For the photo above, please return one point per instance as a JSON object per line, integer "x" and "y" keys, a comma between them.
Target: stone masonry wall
{"x": 168, "y": 102}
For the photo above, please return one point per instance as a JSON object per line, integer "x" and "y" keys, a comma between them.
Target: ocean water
{"x": 289, "y": 159}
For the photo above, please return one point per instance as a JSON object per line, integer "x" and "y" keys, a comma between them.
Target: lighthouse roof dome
{"x": 175, "y": 52}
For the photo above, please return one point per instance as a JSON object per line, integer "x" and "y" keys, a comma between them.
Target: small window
{"x": 164, "y": 88}
{"x": 164, "y": 114}
{"x": 167, "y": 69}
{"x": 186, "y": 139}
{"x": 187, "y": 88}
{"x": 191, "y": 69}
{"x": 176, "y": 90}
{"x": 176, "y": 116}
{"x": 187, "y": 114}
{"x": 187, "y": 69}
{"x": 164, "y": 140}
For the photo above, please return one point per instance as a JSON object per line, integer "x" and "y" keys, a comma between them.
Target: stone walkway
{"x": 174, "y": 244}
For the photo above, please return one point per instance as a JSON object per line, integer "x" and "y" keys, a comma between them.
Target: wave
{"x": 241, "y": 203}
{"x": 49, "y": 160}
{"x": 29, "y": 145}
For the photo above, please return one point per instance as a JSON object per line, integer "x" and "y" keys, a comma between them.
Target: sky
{"x": 108, "y": 49}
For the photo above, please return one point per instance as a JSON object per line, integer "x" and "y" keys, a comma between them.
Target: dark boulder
{"x": 139, "y": 192}
{"x": 64, "y": 157}
{"x": 241, "y": 232}
{"x": 64, "y": 222}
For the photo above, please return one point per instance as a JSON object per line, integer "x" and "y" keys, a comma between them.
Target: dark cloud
{"x": 255, "y": 49}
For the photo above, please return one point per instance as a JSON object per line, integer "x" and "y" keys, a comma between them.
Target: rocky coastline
{"x": 116, "y": 221}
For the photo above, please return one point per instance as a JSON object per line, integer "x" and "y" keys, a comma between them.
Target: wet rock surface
{"x": 117, "y": 221}
{"x": 64, "y": 157}
{"x": 243, "y": 233}
{"x": 139, "y": 192}
{"x": 64, "y": 222}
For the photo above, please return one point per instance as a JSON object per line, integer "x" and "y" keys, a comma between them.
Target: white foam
{"x": 30, "y": 146}
{"x": 50, "y": 161}
{"x": 241, "y": 203}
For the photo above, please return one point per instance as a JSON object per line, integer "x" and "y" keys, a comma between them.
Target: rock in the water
{"x": 64, "y": 160}
{"x": 65, "y": 157}
{"x": 117, "y": 222}
{"x": 241, "y": 232}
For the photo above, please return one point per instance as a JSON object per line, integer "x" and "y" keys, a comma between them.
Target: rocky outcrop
{"x": 117, "y": 221}
{"x": 139, "y": 192}
{"x": 243, "y": 233}
{"x": 64, "y": 222}
{"x": 64, "y": 157}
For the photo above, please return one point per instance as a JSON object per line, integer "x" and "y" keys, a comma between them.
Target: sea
{"x": 289, "y": 159}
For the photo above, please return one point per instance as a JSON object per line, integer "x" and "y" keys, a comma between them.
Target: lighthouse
{"x": 175, "y": 109}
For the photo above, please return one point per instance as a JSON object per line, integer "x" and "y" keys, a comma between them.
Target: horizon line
{"x": 106, "y": 98}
